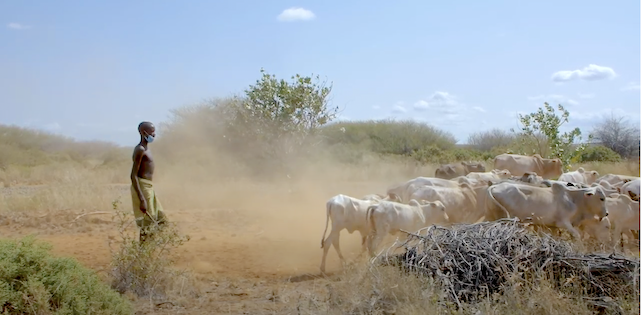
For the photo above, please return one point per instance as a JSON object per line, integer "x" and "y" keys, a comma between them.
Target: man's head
{"x": 147, "y": 131}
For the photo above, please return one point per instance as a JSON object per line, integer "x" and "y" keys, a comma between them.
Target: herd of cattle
{"x": 530, "y": 188}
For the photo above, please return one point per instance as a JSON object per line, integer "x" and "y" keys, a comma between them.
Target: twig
{"x": 84, "y": 214}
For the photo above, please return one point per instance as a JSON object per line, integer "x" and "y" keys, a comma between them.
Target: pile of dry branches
{"x": 471, "y": 261}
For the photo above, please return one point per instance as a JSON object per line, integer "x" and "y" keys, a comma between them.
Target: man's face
{"x": 149, "y": 131}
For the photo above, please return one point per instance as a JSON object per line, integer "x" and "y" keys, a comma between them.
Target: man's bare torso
{"x": 147, "y": 165}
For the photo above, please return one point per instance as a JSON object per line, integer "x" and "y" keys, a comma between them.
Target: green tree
{"x": 279, "y": 107}
{"x": 275, "y": 120}
{"x": 540, "y": 131}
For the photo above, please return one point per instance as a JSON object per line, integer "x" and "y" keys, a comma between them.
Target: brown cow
{"x": 449, "y": 171}
{"x": 518, "y": 165}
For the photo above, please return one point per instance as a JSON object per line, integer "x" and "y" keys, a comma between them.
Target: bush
{"x": 144, "y": 268}
{"x": 599, "y": 153}
{"x": 34, "y": 282}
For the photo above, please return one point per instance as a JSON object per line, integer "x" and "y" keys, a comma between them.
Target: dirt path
{"x": 243, "y": 265}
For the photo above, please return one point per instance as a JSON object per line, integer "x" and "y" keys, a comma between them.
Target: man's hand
{"x": 143, "y": 205}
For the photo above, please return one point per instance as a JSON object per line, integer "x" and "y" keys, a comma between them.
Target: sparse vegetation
{"x": 619, "y": 135}
{"x": 230, "y": 170}
{"x": 144, "y": 269}
{"x": 32, "y": 281}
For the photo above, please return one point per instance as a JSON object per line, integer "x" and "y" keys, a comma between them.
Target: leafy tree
{"x": 617, "y": 134}
{"x": 541, "y": 131}
{"x": 275, "y": 119}
{"x": 278, "y": 107}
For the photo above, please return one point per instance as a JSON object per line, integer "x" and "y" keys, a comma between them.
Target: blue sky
{"x": 94, "y": 70}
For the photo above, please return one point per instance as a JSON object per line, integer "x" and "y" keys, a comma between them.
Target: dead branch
{"x": 90, "y": 213}
{"x": 472, "y": 261}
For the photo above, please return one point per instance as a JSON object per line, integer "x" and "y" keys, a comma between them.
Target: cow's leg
{"x": 616, "y": 239}
{"x": 374, "y": 240}
{"x": 331, "y": 240}
{"x": 364, "y": 239}
{"x": 568, "y": 226}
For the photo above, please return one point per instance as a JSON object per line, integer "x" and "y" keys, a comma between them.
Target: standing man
{"x": 146, "y": 206}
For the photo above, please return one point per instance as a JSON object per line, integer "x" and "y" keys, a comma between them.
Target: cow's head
{"x": 590, "y": 201}
{"x": 594, "y": 201}
{"x": 591, "y": 176}
{"x": 434, "y": 212}
{"x": 502, "y": 174}
{"x": 553, "y": 168}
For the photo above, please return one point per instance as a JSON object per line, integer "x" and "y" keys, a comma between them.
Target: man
{"x": 146, "y": 206}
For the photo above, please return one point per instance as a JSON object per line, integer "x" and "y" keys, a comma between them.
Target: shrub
{"x": 34, "y": 282}
{"x": 599, "y": 153}
{"x": 144, "y": 268}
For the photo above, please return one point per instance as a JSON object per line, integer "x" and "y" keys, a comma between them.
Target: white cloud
{"x": 586, "y": 95}
{"x": 18, "y": 26}
{"x": 445, "y": 110}
{"x": 296, "y": 14}
{"x": 631, "y": 86}
{"x": 554, "y": 98}
{"x": 399, "y": 109}
{"x": 590, "y": 73}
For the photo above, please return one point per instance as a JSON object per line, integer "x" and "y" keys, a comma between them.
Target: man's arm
{"x": 138, "y": 154}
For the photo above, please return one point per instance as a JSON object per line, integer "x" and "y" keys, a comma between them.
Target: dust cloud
{"x": 246, "y": 225}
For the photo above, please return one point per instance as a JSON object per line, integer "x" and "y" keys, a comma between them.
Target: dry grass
{"x": 254, "y": 240}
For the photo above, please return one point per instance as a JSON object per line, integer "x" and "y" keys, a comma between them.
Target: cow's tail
{"x": 494, "y": 202}
{"x": 328, "y": 206}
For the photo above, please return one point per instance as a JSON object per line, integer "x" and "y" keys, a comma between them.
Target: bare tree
{"x": 486, "y": 140}
{"x": 618, "y": 134}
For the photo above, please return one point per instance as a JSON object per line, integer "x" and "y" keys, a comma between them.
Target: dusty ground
{"x": 254, "y": 249}
{"x": 257, "y": 258}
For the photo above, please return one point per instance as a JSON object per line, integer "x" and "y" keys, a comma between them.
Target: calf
{"x": 389, "y": 217}
{"x": 346, "y": 213}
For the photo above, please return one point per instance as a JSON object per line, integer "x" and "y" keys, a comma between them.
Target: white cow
{"x": 403, "y": 191}
{"x": 390, "y": 217}
{"x": 346, "y": 213}
{"x": 624, "y": 216}
{"x": 377, "y": 197}
{"x": 558, "y": 206}
{"x": 608, "y": 189}
{"x": 580, "y": 176}
{"x": 616, "y": 180}
{"x": 491, "y": 175}
{"x": 461, "y": 202}
{"x": 632, "y": 189}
